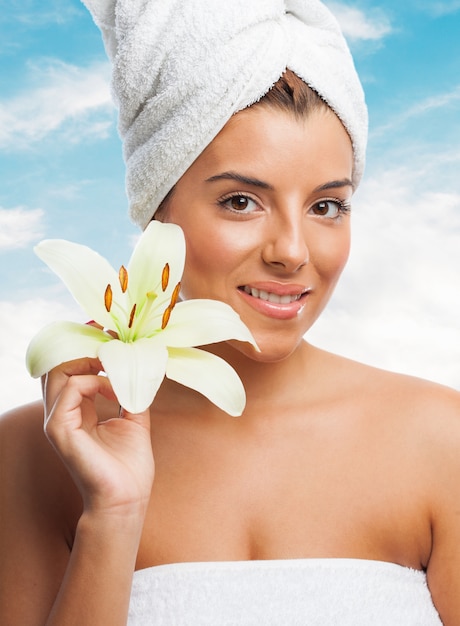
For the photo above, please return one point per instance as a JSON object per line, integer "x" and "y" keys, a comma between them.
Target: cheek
{"x": 331, "y": 256}
{"x": 211, "y": 258}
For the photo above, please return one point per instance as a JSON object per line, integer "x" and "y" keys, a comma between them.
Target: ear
{"x": 103, "y": 13}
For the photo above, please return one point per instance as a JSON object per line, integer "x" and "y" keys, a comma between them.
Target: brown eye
{"x": 322, "y": 208}
{"x": 239, "y": 203}
{"x": 326, "y": 208}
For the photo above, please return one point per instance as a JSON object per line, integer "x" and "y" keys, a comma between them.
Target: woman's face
{"x": 265, "y": 210}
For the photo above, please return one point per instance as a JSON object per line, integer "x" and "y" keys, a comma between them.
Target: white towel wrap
{"x": 181, "y": 68}
{"x": 302, "y": 592}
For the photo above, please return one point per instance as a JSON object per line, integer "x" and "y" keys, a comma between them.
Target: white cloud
{"x": 444, "y": 100}
{"x": 35, "y": 15}
{"x": 19, "y": 227}
{"x": 438, "y": 9}
{"x": 358, "y": 25}
{"x": 37, "y": 19}
{"x": 438, "y": 101}
{"x": 60, "y": 97}
{"x": 19, "y": 322}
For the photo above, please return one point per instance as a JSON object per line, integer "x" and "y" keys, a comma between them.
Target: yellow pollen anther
{"x": 166, "y": 316}
{"x": 165, "y": 277}
{"x": 131, "y": 317}
{"x": 123, "y": 278}
{"x": 108, "y": 297}
{"x": 175, "y": 296}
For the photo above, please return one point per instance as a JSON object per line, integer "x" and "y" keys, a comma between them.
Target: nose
{"x": 285, "y": 246}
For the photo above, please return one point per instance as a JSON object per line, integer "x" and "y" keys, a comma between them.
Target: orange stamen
{"x": 131, "y": 317}
{"x": 175, "y": 296}
{"x": 166, "y": 316}
{"x": 123, "y": 278}
{"x": 165, "y": 277}
{"x": 108, "y": 298}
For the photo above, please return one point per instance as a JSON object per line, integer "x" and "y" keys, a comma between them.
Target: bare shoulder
{"x": 31, "y": 474}
{"x": 24, "y": 448}
{"x": 20, "y": 426}
{"x": 424, "y": 412}
{"x": 415, "y": 416}
{"x": 23, "y": 443}
{"x": 405, "y": 397}
{"x": 39, "y": 504}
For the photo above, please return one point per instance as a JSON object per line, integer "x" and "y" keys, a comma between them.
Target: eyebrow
{"x": 246, "y": 180}
{"x": 334, "y": 184}
{"x": 249, "y": 180}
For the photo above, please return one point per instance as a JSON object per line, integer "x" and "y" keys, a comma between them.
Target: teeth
{"x": 271, "y": 297}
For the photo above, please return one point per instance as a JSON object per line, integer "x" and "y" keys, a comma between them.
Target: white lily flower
{"x": 147, "y": 333}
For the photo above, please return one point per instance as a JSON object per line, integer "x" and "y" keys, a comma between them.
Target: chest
{"x": 298, "y": 495}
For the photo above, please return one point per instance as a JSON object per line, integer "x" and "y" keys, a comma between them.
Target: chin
{"x": 269, "y": 353}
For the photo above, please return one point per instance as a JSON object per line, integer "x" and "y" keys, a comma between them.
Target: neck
{"x": 271, "y": 387}
{"x": 269, "y": 384}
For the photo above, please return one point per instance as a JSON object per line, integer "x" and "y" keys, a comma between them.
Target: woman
{"x": 334, "y": 498}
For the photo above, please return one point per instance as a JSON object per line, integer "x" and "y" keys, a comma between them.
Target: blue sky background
{"x": 62, "y": 175}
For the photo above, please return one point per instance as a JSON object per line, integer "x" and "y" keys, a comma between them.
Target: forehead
{"x": 261, "y": 139}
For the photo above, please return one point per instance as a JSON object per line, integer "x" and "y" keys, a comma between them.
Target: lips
{"x": 270, "y": 296}
{"x": 279, "y": 301}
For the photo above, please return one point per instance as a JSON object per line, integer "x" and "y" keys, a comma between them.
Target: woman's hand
{"x": 110, "y": 458}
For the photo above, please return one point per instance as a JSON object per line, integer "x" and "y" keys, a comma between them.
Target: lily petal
{"x": 60, "y": 342}
{"x": 201, "y": 322}
{"x": 160, "y": 244}
{"x": 209, "y": 375}
{"x": 135, "y": 370}
{"x": 85, "y": 273}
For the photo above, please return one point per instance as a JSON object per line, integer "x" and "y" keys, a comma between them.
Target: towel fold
{"x": 182, "y": 68}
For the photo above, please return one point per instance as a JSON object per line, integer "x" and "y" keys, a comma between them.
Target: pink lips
{"x": 277, "y": 300}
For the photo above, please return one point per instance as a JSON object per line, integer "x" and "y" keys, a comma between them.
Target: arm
{"x": 42, "y": 581}
{"x": 97, "y": 583}
{"x": 443, "y": 570}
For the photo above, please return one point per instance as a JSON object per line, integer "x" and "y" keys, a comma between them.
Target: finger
{"x": 54, "y": 381}
{"x": 86, "y": 365}
{"x": 67, "y": 414}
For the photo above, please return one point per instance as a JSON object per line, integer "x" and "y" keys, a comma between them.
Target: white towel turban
{"x": 181, "y": 68}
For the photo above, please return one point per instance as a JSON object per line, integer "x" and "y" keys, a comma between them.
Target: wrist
{"x": 109, "y": 523}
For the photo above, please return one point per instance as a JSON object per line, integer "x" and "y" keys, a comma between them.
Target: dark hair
{"x": 292, "y": 95}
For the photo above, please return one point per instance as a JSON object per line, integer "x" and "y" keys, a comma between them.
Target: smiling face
{"x": 265, "y": 211}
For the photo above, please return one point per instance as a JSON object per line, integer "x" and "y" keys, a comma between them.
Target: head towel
{"x": 182, "y": 68}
